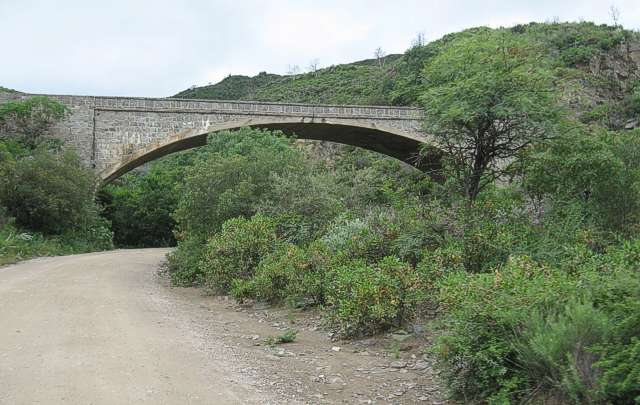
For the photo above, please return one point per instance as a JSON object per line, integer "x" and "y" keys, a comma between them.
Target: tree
{"x": 614, "y": 13}
{"x": 487, "y": 98}
{"x": 51, "y": 192}
{"x": 293, "y": 71}
{"x": 314, "y": 65}
{"x": 230, "y": 183}
{"x": 419, "y": 40}
{"x": 379, "y": 55}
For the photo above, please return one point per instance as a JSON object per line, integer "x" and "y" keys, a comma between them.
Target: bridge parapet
{"x": 240, "y": 107}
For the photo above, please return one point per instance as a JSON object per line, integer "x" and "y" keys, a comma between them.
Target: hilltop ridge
{"x": 596, "y": 69}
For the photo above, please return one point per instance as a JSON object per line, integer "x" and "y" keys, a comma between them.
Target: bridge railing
{"x": 234, "y": 107}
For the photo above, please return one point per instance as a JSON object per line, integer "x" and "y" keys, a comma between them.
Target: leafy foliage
{"x": 529, "y": 329}
{"x": 365, "y": 299}
{"x": 49, "y": 192}
{"x": 236, "y": 251}
{"x": 47, "y": 204}
{"x": 535, "y": 281}
{"x": 30, "y": 118}
{"x": 139, "y": 207}
{"x": 224, "y": 187}
{"x": 486, "y": 98}
{"x": 289, "y": 274}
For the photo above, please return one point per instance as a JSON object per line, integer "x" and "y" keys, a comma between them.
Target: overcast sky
{"x": 157, "y": 48}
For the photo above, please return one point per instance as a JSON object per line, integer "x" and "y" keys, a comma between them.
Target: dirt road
{"x": 105, "y": 328}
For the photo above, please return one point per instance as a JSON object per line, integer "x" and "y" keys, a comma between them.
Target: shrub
{"x": 221, "y": 187}
{"x": 615, "y": 289}
{"x": 368, "y": 238}
{"x": 554, "y": 352}
{"x": 30, "y": 118}
{"x": 140, "y": 206}
{"x": 293, "y": 274}
{"x": 303, "y": 202}
{"x": 620, "y": 365}
{"x": 364, "y": 299}
{"x": 533, "y": 332}
{"x": 51, "y": 192}
{"x": 476, "y": 350}
{"x": 599, "y": 170}
{"x": 184, "y": 262}
{"x": 235, "y": 252}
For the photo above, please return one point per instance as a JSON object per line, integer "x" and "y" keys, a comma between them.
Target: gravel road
{"x": 97, "y": 329}
{"x": 106, "y": 328}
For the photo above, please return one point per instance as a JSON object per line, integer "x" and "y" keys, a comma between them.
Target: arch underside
{"x": 402, "y": 147}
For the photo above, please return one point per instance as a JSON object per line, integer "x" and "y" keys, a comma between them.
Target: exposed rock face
{"x": 598, "y": 92}
{"x": 622, "y": 63}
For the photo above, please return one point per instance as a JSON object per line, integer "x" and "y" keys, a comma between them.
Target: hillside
{"x": 362, "y": 82}
{"x": 511, "y": 273}
{"x": 596, "y": 67}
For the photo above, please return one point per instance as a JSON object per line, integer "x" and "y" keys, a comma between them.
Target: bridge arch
{"x": 397, "y": 143}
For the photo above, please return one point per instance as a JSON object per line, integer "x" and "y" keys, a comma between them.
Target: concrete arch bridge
{"x": 116, "y": 134}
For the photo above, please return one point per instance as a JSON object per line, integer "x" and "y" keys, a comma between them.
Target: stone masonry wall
{"x": 104, "y": 130}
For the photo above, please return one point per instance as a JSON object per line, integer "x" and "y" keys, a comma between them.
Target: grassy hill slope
{"x": 597, "y": 70}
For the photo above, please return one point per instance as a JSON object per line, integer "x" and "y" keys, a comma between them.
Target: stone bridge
{"x": 116, "y": 134}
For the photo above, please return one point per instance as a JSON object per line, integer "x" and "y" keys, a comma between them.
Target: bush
{"x": 222, "y": 187}
{"x": 368, "y": 238}
{"x": 30, "y": 118}
{"x": 184, "y": 262}
{"x": 293, "y": 274}
{"x": 599, "y": 170}
{"x": 484, "y": 311}
{"x": 534, "y": 332}
{"x": 303, "y": 202}
{"x": 615, "y": 289}
{"x": 364, "y": 299}
{"x": 50, "y": 192}
{"x": 235, "y": 252}
{"x": 140, "y": 206}
{"x": 555, "y": 353}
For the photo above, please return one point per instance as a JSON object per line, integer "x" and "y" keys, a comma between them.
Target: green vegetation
{"x": 232, "y": 255}
{"x": 231, "y": 88}
{"x": 488, "y": 97}
{"x": 30, "y": 119}
{"x": 47, "y": 202}
{"x": 288, "y": 336}
{"x": 357, "y": 83}
{"x": 526, "y": 241}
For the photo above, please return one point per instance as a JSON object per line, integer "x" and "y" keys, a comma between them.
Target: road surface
{"x": 98, "y": 329}
{"x": 106, "y": 328}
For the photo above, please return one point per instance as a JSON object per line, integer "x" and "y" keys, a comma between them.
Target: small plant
{"x": 289, "y": 336}
{"x": 394, "y": 350}
{"x": 291, "y": 318}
